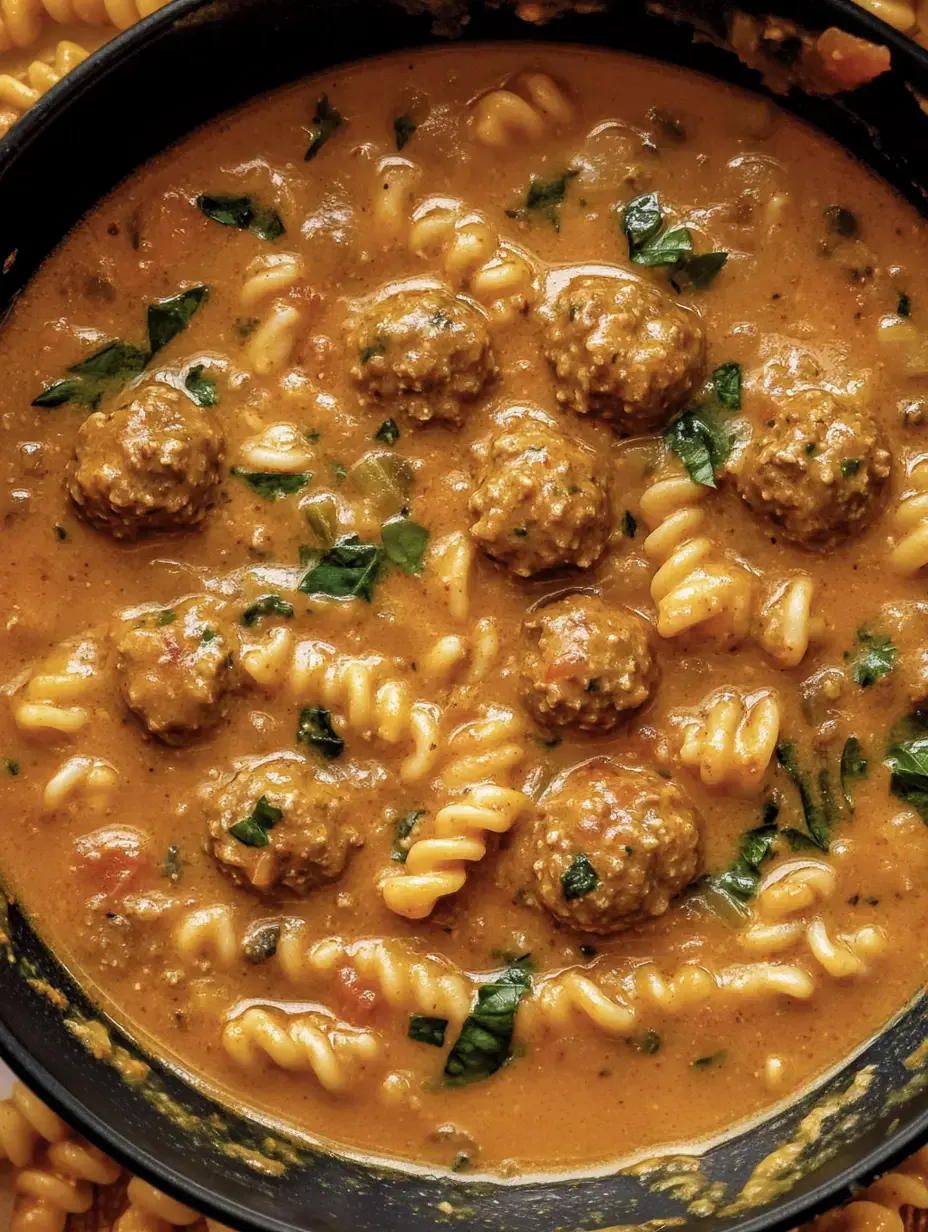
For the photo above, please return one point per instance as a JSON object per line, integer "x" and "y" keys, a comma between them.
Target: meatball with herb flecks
{"x": 612, "y": 846}
{"x": 816, "y": 469}
{"x": 542, "y": 501}
{"x": 424, "y": 353}
{"x": 586, "y": 664}
{"x": 152, "y": 464}
{"x": 622, "y": 350}
{"x": 176, "y": 669}
{"x": 280, "y": 823}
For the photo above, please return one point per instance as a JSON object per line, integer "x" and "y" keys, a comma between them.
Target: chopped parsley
{"x": 167, "y": 617}
{"x": 254, "y": 830}
{"x": 818, "y": 814}
{"x": 649, "y": 1042}
{"x": 485, "y": 1042}
{"x": 697, "y": 271}
{"x": 738, "y": 883}
{"x": 11, "y": 766}
{"x": 711, "y": 1061}
{"x": 326, "y": 122}
{"x": 580, "y": 879}
{"x": 260, "y": 942}
{"x": 426, "y": 1030}
{"x": 244, "y": 213}
{"x": 907, "y": 759}
{"x": 875, "y": 659}
{"x": 272, "y": 485}
{"x": 403, "y": 838}
{"x": 849, "y": 467}
{"x": 60, "y": 533}
{"x": 314, "y": 728}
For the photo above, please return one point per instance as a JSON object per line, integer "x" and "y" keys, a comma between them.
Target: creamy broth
{"x": 264, "y": 930}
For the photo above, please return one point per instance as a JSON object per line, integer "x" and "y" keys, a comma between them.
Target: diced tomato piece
{"x": 357, "y": 1002}
{"x": 112, "y": 857}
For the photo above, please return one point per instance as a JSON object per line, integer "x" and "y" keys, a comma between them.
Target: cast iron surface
{"x": 146, "y": 89}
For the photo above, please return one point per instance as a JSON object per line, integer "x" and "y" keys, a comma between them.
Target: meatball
{"x": 280, "y": 823}
{"x": 176, "y": 670}
{"x": 423, "y": 352}
{"x": 816, "y": 470}
{"x": 586, "y": 664}
{"x": 612, "y": 846}
{"x": 624, "y": 351}
{"x": 150, "y": 465}
{"x": 542, "y": 500}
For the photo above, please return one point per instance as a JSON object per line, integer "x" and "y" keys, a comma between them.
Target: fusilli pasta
{"x": 451, "y": 562}
{"x": 208, "y": 932}
{"x": 526, "y": 110}
{"x": 783, "y": 624}
{"x": 281, "y": 447}
{"x": 56, "y": 698}
{"x": 89, "y": 778}
{"x": 18, "y": 94}
{"x": 270, "y": 345}
{"x": 880, "y": 1207}
{"x": 909, "y": 545}
{"x": 732, "y": 743}
{"x": 22, "y": 21}
{"x": 336, "y": 1053}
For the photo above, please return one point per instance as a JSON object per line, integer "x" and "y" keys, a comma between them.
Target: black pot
{"x": 143, "y": 91}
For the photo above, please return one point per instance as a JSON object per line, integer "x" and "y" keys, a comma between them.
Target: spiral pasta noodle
{"x": 880, "y": 1207}
{"x": 375, "y": 700}
{"x": 24, "y": 1122}
{"x": 525, "y": 111}
{"x": 415, "y": 984}
{"x": 269, "y": 277}
{"x": 57, "y": 696}
{"x": 467, "y": 659}
{"x": 909, "y": 550}
{"x": 394, "y": 186}
{"x": 90, "y": 779}
{"x": 150, "y": 1210}
{"x": 208, "y": 932}
{"x": 783, "y": 624}
{"x": 58, "y": 1182}
{"x": 19, "y": 94}
{"x": 22, "y": 21}
{"x": 451, "y": 562}
{"x": 279, "y": 448}
{"x": 334, "y": 1052}
{"x": 691, "y": 588}
{"x": 731, "y": 745}
{"x": 472, "y": 256}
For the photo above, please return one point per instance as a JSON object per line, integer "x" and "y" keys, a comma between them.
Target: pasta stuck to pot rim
{"x": 464, "y": 533}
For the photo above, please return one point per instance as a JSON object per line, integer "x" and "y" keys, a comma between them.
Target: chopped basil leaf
{"x": 907, "y": 759}
{"x": 667, "y": 248}
{"x": 738, "y": 883}
{"x": 326, "y": 121}
{"x": 641, "y": 219}
{"x": 841, "y": 222}
{"x": 709, "y": 1062}
{"x": 315, "y": 729}
{"x": 267, "y": 605}
{"x": 403, "y": 128}
{"x": 167, "y": 617}
{"x": 202, "y": 389}
{"x": 485, "y": 1042}
{"x": 726, "y": 381}
{"x": 425, "y": 1030}
{"x": 702, "y": 441}
{"x": 388, "y": 432}
{"x": 649, "y": 1042}
{"x": 545, "y": 197}
{"x": 853, "y": 766}
{"x": 116, "y": 363}
{"x": 876, "y": 658}
{"x": 580, "y": 879}
{"x": 629, "y": 524}
{"x": 403, "y": 840}
{"x": 404, "y": 543}
{"x": 348, "y": 570}
{"x": 814, "y": 813}
{"x": 260, "y": 942}
{"x": 172, "y": 865}
{"x": 698, "y": 271}
{"x": 11, "y": 766}
{"x": 169, "y": 317}
{"x": 254, "y": 830}
{"x": 243, "y": 213}
{"x": 271, "y": 485}
{"x": 904, "y": 305}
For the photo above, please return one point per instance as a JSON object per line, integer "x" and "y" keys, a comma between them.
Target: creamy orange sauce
{"x": 798, "y": 305}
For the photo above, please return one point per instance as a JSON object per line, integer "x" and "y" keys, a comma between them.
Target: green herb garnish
{"x": 202, "y": 389}
{"x": 260, "y": 943}
{"x": 348, "y": 570}
{"x": 649, "y": 1042}
{"x": 702, "y": 441}
{"x": 853, "y": 766}
{"x": 545, "y": 198}
{"x": 388, "y": 432}
{"x": 907, "y": 759}
{"x": 813, "y": 811}
{"x": 254, "y": 830}
{"x": 267, "y": 605}
{"x": 315, "y": 729}
{"x": 243, "y": 213}
{"x": 425, "y": 1030}
{"x": 402, "y": 840}
{"x": 172, "y": 865}
{"x": 580, "y": 879}
{"x": 272, "y": 485}
{"x": 326, "y": 122}
{"x": 485, "y": 1042}
{"x": 726, "y": 382}
{"x": 403, "y": 128}
{"x": 698, "y": 271}
{"x": 405, "y": 542}
{"x": 876, "y": 658}
{"x": 738, "y": 883}
{"x": 629, "y": 524}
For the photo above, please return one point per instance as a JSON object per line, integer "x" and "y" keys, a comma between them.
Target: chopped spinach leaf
{"x": 326, "y": 122}
{"x": 243, "y": 213}
{"x": 545, "y": 197}
{"x": 849, "y": 467}
{"x": 267, "y": 605}
{"x": 907, "y": 759}
{"x": 388, "y": 432}
{"x": 60, "y": 533}
{"x": 710, "y": 1062}
{"x": 904, "y": 305}
{"x": 425, "y": 1030}
{"x": 853, "y": 766}
{"x": 202, "y": 389}
{"x": 811, "y": 809}
{"x": 339, "y": 472}
{"x": 113, "y": 364}
{"x": 629, "y": 524}
{"x": 702, "y": 441}
{"x": 485, "y": 1042}
{"x": 666, "y": 248}
{"x": 271, "y": 485}
{"x": 876, "y": 658}
{"x": 738, "y": 883}
{"x": 260, "y": 942}
{"x": 315, "y": 729}
{"x": 641, "y": 220}
{"x": 172, "y": 865}
{"x": 403, "y": 838}
{"x": 348, "y": 570}
{"x": 373, "y": 349}
{"x": 254, "y": 830}
{"x": 405, "y": 542}
{"x": 697, "y": 271}
{"x": 842, "y": 222}
{"x": 169, "y": 317}
{"x": 403, "y": 128}
{"x": 580, "y": 879}
{"x": 11, "y": 766}
{"x": 209, "y": 635}
{"x": 726, "y": 381}
{"x": 167, "y": 617}
{"x": 649, "y": 1042}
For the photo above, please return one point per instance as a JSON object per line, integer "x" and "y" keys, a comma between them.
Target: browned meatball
{"x": 176, "y": 670}
{"x": 151, "y": 465}
{"x": 815, "y": 470}
{"x": 586, "y": 664}
{"x": 422, "y": 352}
{"x": 280, "y": 822}
{"x": 623, "y": 350}
{"x": 613, "y": 845}
{"x": 542, "y": 501}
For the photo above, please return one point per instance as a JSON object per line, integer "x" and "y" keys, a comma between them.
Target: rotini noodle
{"x": 22, "y": 21}
{"x": 280, "y": 447}
{"x": 18, "y": 95}
{"x": 451, "y": 562}
{"x": 909, "y": 545}
{"x": 59, "y": 1184}
{"x": 783, "y": 625}
{"x": 90, "y": 778}
{"x": 394, "y": 186}
{"x": 271, "y": 344}
{"x": 485, "y": 749}
{"x": 208, "y": 932}
{"x": 56, "y": 697}
{"x": 529, "y": 107}
{"x": 880, "y": 1207}
{"x": 336, "y": 1053}
{"x": 732, "y": 744}
{"x": 24, "y": 1122}
{"x": 450, "y": 655}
